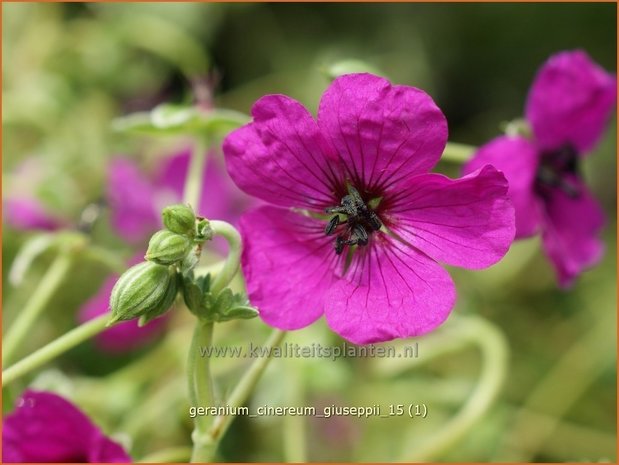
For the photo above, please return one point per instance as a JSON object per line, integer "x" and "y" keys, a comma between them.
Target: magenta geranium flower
{"x": 26, "y": 214}
{"x": 131, "y": 198}
{"x": 22, "y": 207}
{"x": 358, "y": 223}
{"x": 135, "y": 198}
{"x": 47, "y": 428}
{"x": 568, "y": 107}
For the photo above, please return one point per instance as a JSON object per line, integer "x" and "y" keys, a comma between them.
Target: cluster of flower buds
{"x": 148, "y": 290}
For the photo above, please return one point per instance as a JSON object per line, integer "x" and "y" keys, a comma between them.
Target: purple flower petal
{"x": 123, "y": 336}
{"x": 130, "y": 196}
{"x": 384, "y": 133}
{"x": 570, "y": 237}
{"x": 517, "y": 159}
{"x": 29, "y": 213}
{"x": 570, "y": 102}
{"x": 282, "y": 157}
{"x": 46, "y": 428}
{"x": 466, "y": 222}
{"x": 390, "y": 291}
{"x": 287, "y": 262}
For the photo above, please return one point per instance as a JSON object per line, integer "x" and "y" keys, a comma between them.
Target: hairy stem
{"x": 201, "y": 386}
{"x": 55, "y": 348}
{"x": 205, "y": 444}
{"x": 193, "y": 183}
{"x": 50, "y": 283}
{"x": 231, "y": 265}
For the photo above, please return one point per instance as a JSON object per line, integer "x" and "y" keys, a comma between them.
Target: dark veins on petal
{"x": 556, "y": 171}
{"x": 360, "y": 221}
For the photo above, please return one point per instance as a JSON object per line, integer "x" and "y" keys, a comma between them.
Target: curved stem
{"x": 205, "y": 445}
{"x": 55, "y": 348}
{"x": 193, "y": 183}
{"x": 36, "y": 304}
{"x": 494, "y": 352}
{"x": 575, "y": 371}
{"x": 233, "y": 260}
{"x": 458, "y": 153}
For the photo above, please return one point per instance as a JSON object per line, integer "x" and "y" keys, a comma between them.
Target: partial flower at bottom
{"x": 358, "y": 223}
{"x": 44, "y": 427}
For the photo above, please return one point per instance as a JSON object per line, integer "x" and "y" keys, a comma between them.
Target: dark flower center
{"x": 359, "y": 222}
{"x": 556, "y": 170}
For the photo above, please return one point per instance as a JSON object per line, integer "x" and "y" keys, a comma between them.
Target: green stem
{"x": 36, "y": 304}
{"x": 105, "y": 257}
{"x": 231, "y": 265}
{"x": 458, "y": 153}
{"x": 205, "y": 445}
{"x": 170, "y": 455}
{"x": 55, "y": 348}
{"x": 295, "y": 447}
{"x": 494, "y": 352}
{"x": 193, "y": 183}
{"x": 201, "y": 386}
{"x": 575, "y": 372}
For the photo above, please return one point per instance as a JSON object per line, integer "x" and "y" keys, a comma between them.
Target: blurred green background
{"x": 70, "y": 69}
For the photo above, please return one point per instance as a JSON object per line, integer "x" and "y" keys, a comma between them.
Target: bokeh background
{"x": 70, "y": 69}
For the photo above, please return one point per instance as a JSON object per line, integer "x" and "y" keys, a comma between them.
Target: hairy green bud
{"x": 179, "y": 219}
{"x": 144, "y": 291}
{"x": 166, "y": 248}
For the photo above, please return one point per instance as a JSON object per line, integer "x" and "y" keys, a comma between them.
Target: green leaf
{"x": 192, "y": 295}
{"x": 173, "y": 119}
{"x": 240, "y": 312}
{"x": 204, "y": 282}
{"x": 224, "y": 300}
{"x": 349, "y": 66}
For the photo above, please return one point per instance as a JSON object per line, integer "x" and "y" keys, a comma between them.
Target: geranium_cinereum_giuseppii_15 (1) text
{"x": 568, "y": 107}
{"x": 357, "y": 223}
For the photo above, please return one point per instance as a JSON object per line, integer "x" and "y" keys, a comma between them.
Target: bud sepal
{"x": 224, "y": 306}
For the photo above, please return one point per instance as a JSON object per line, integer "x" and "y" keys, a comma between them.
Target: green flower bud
{"x": 179, "y": 219}
{"x": 165, "y": 304}
{"x": 146, "y": 289}
{"x": 166, "y": 247}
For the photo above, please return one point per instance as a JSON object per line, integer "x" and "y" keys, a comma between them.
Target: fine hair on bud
{"x": 167, "y": 247}
{"x": 179, "y": 219}
{"x": 144, "y": 290}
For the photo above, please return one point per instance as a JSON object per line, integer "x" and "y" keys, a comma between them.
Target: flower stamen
{"x": 360, "y": 221}
{"x": 555, "y": 170}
